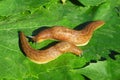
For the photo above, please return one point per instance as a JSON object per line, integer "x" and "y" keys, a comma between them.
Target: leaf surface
{"x": 27, "y": 16}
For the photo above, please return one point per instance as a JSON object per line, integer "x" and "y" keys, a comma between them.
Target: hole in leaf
{"x": 113, "y": 54}
{"x": 88, "y": 63}
{"x": 93, "y": 61}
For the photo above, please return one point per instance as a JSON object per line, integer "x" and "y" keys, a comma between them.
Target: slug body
{"x": 79, "y": 38}
{"x": 44, "y": 56}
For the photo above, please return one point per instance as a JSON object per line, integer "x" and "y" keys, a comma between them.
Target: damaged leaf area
{"x": 101, "y": 56}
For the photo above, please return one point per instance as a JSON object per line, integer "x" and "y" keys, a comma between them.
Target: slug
{"x": 47, "y": 55}
{"x": 79, "y": 38}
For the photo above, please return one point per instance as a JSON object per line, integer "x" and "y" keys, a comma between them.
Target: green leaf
{"x": 27, "y": 16}
{"x": 102, "y": 70}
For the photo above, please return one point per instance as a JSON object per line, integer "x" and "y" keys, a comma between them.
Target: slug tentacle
{"x": 79, "y": 38}
{"x": 44, "y": 56}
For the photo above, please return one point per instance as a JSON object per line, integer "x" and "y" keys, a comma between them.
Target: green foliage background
{"x": 28, "y": 15}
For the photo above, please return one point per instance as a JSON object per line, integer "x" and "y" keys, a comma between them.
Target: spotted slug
{"x": 47, "y": 55}
{"x": 79, "y": 38}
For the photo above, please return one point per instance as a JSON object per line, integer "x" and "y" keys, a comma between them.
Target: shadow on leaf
{"x": 85, "y": 77}
{"x": 76, "y": 2}
{"x": 81, "y": 26}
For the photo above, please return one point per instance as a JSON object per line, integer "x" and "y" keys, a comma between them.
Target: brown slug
{"x": 79, "y": 38}
{"x": 44, "y": 56}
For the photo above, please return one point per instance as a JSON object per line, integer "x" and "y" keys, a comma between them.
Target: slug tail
{"x": 90, "y": 28}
